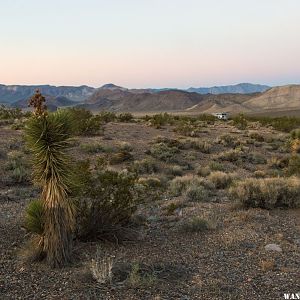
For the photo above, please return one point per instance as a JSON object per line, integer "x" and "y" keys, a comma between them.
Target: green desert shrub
{"x": 18, "y": 167}
{"x": 267, "y": 192}
{"x": 179, "y": 185}
{"x": 209, "y": 119}
{"x": 240, "y": 122}
{"x": 107, "y": 116}
{"x": 84, "y": 122}
{"x": 164, "y": 152}
{"x": 3, "y": 154}
{"x": 160, "y": 120}
{"x": 168, "y": 141}
{"x": 125, "y": 117}
{"x": 107, "y": 201}
{"x": 197, "y": 193}
{"x": 220, "y": 179}
{"x": 195, "y": 224}
{"x": 34, "y": 221}
{"x": 7, "y": 113}
{"x": 293, "y": 167}
{"x": 285, "y": 124}
{"x": 255, "y": 158}
{"x": 175, "y": 170}
{"x": 295, "y": 134}
{"x": 187, "y": 129}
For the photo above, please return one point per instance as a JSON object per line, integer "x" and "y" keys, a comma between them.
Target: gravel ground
{"x": 228, "y": 262}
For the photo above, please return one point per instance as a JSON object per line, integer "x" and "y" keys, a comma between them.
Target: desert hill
{"x": 52, "y": 102}
{"x": 278, "y": 98}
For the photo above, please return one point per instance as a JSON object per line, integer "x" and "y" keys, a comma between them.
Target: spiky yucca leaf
{"x": 48, "y": 137}
{"x": 34, "y": 217}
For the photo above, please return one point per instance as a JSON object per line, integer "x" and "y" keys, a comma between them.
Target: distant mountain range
{"x": 13, "y": 93}
{"x": 244, "y": 97}
{"x": 17, "y": 94}
{"x": 241, "y": 88}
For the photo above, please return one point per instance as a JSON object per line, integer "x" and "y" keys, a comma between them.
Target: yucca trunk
{"x": 48, "y": 138}
{"x": 58, "y": 226}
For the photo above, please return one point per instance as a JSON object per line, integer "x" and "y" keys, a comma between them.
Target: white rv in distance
{"x": 221, "y": 116}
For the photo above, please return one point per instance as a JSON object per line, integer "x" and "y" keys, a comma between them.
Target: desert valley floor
{"x": 226, "y": 258}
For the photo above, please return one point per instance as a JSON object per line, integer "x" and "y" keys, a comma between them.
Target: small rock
{"x": 273, "y": 247}
{"x": 247, "y": 245}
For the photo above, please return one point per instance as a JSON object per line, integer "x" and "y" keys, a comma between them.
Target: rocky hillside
{"x": 277, "y": 99}
{"x": 52, "y": 102}
{"x": 167, "y": 100}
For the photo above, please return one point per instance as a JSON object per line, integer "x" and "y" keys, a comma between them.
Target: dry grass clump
{"x": 179, "y": 184}
{"x": 220, "y": 180}
{"x": 202, "y": 146}
{"x": 101, "y": 268}
{"x": 203, "y": 171}
{"x": 150, "y": 181}
{"x": 146, "y": 166}
{"x": 216, "y": 166}
{"x": 295, "y": 146}
{"x": 124, "y": 146}
{"x": 197, "y": 193}
{"x": 268, "y": 193}
{"x": 231, "y": 155}
{"x": 259, "y": 174}
{"x": 140, "y": 277}
{"x": 278, "y": 162}
{"x": 119, "y": 157}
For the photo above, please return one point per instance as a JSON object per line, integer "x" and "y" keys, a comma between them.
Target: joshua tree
{"x": 47, "y": 136}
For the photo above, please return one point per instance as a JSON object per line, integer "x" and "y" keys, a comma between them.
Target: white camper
{"x": 221, "y": 116}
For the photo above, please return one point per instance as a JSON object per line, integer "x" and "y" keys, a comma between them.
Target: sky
{"x": 149, "y": 43}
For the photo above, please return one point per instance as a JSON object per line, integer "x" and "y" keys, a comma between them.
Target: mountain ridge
{"x": 16, "y": 93}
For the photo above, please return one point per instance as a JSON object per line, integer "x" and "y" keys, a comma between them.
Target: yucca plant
{"x": 48, "y": 137}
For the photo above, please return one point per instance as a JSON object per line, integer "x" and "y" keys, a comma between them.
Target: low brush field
{"x": 213, "y": 196}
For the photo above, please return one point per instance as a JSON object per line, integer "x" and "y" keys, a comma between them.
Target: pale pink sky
{"x": 149, "y": 43}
